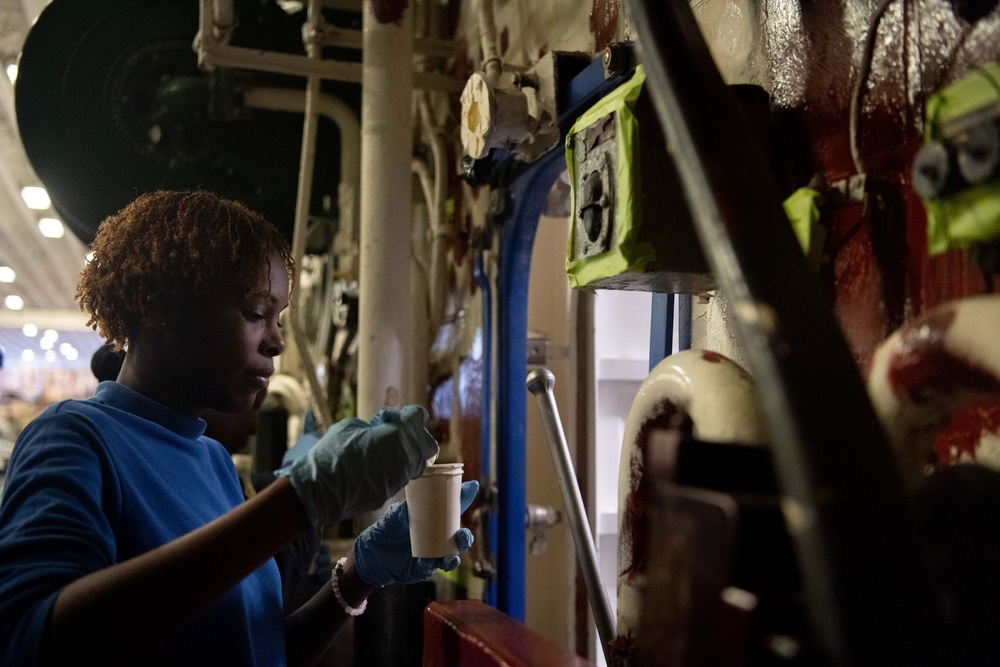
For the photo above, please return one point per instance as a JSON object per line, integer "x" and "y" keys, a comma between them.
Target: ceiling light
{"x": 7, "y": 274}
{"x": 63, "y": 347}
{"x": 71, "y": 354}
{"x": 36, "y": 198}
{"x": 46, "y": 343}
{"x": 50, "y": 356}
{"x": 51, "y": 334}
{"x": 51, "y": 228}
{"x": 12, "y": 72}
{"x": 14, "y": 302}
{"x": 29, "y": 330}
{"x": 28, "y": 355}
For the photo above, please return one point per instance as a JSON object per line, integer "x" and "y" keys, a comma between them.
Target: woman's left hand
{"x": 382, "y": 553}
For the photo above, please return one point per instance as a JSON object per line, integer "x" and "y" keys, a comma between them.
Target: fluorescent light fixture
{"x": 29, "y": 330}
{"x": 51, "y": 228}
{"x": 12, "y": 72}
{"x": 36, "y": 198}
{"x": 7, "y": 274}
{"x": 14, "y": 302}
{"x": 27, "y": 355}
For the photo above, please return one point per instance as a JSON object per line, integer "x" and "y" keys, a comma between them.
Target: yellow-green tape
{"x": 627, "y": 254}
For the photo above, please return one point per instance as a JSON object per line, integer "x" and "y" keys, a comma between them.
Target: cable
{"x": 857, "y": 95}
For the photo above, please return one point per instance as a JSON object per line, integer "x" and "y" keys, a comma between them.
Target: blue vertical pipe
{"x": 526, "y": 201}
{"x": 485, "y": 442}
{"x": 528, "y": 187}
{"x": 661, "y": 328}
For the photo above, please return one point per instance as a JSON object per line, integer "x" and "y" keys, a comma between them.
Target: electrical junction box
{"x": 631, "y": 227}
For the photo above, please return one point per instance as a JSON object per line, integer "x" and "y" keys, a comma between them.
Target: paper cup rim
{"x": 443, "y": 469}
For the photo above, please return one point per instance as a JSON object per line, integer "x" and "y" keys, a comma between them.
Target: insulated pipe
{"x": 540, "y": 382}
{"x": 931, "y": 367}
{"x": 385, "y": 331}
{"x": 719, "y": 398}
{"x": 346, "y": 120}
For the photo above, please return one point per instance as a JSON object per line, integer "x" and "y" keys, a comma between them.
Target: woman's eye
{"x": 253, "y": 316}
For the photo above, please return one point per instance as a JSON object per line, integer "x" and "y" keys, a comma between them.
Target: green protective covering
{"x": 628, "y": 254}
{"x": 802, "y": 209}
{"x": 973, "y": 214}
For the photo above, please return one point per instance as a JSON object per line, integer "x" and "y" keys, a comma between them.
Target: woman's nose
{"x": 274, "y": 344}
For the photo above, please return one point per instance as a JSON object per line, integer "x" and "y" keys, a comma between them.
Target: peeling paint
{"x": 604, "y": 23}
{"x": 634, "y": 529}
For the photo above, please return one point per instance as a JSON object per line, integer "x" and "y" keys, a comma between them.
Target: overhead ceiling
{"x": 45, "y": 269}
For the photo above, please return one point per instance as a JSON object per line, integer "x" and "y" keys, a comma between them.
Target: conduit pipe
{"x": 440, "y": 228}
{"x": 385, "y": 330}
{"x": 926, "y": 370}
{"x": 213, "y": 51}
{"x": 719, "y": 398}
{"x": 307, "y": 163}
{"x": 488, "y": 41}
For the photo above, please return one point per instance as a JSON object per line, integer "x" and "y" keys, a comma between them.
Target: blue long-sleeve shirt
{"x": 93, "y": 483}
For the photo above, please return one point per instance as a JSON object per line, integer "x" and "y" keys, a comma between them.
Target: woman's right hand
{"x": 356, "y": 466}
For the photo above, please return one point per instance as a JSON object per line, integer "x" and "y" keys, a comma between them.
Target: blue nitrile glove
{"x": 356, "y": 465}
{"x": 382, "y": 553}
{"x": 301, "y": 447}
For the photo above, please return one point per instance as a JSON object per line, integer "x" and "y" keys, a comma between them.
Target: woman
{"x": 124, "y": 537}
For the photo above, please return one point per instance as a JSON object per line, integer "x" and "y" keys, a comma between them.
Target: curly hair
{"x": 166, "y": 249}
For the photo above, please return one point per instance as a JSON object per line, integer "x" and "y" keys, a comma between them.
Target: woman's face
{"x": 232, "y": 343}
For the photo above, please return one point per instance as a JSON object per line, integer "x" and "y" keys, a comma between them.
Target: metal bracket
{"x": 537, "y": 522}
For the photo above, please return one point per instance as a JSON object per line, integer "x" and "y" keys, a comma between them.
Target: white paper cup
{"x": 433, "y": 502}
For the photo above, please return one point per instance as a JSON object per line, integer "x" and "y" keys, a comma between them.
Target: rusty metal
{"x": 843, "y": 499}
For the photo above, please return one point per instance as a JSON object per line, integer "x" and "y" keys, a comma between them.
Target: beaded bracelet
{"x": 338, "y": 569}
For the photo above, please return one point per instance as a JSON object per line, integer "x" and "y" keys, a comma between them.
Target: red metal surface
{"x": 878, "y": 273}
{"x": 469, "y": 633}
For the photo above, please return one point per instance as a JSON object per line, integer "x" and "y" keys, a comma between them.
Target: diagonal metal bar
{"x": 844, "y": 502}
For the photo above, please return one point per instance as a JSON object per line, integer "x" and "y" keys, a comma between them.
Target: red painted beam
{"x": 469, "y": 633}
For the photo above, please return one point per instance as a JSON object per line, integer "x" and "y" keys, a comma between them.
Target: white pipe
{"x": 385, "y": 330}
{"x": 347, "y": 122}
{"x": 215, "y": 52}
{"x": 926, "y": 370}
{"x": 307, "y": 163}
{"x": 224, "y": 19}
{"x": 488, "y": 42}
{"x": 721, "y": 401}
{"x": 440, "y": 228}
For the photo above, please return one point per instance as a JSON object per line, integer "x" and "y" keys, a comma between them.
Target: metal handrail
{"x": 540, "y": 382}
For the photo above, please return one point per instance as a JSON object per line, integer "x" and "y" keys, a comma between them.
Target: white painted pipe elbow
{"x": 928, "y": 369}
{"x": 719, "y": 398}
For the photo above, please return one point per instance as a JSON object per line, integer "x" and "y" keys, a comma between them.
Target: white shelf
{"x": 622, "y": 369}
